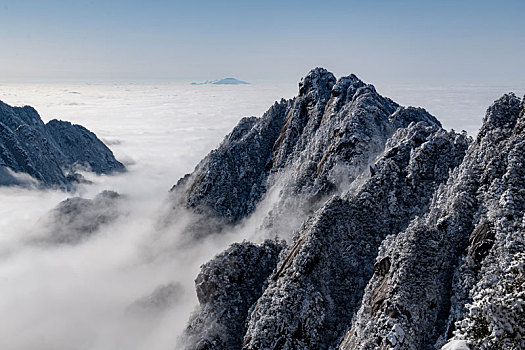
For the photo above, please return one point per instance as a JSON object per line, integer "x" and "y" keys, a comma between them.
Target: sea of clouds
{"x": 81, "y": 296}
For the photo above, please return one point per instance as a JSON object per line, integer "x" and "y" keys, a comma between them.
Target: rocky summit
{"x": 46, "y": 155}
{"x": 306, "y": 149}
{"x": 399, "y": 234}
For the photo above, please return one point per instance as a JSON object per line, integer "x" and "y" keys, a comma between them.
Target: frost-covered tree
{"x": 496, "y": 316}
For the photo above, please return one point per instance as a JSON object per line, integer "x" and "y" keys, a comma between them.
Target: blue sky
{"x": 391, "y": 41}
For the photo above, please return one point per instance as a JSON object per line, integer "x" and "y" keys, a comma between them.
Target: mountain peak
{"x": 223, "y": 81}
{"x": 504, "y": 112}
{"x": 319, "y": 80}
{"x": 376, "y": 200}
{"x": 49, "y": 153}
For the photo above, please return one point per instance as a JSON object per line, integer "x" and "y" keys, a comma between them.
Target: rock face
{"x": 80, "y": 146}
{"x": 240, "y": 165}
{"x": 48, "y": 152}
{"x": 492, "y": 271}
{"x": 310, "y": 147}
{"x": 408, "y": 236}
{"x": 319, "y": 285}
{"x": 227, "y": 287}
{"x": 475, "y": 220}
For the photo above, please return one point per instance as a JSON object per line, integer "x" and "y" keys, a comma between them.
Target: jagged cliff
{"x": 318, "y": 287}
{"x": 307, "y": 148}
{"x": 405, "y": 235}
{"x": 226, "y": 288}
{"x": 48, "y": 153}
{"x": 475, "y": 222}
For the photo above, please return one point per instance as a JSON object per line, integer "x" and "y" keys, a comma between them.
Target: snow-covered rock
{"x": 308, "y": 148}
{"x": 318, "y": 286}
{"x": 475, "y": 219}
{"x": 405, "y": 235}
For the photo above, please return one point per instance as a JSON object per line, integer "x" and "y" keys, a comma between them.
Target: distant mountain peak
{"x": 223, "y": 81}
{"x": 48, "y": 153}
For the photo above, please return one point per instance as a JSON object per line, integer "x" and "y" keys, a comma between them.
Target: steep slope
{"x": 229, "y": 181}
{"x": 80, "y": 146}
{"x": 47, "y": 152}
{"x": 25, "y": 148}
{"x": 478, "y": 214}
{"x": 307, "y": 148}
{"x": 227, "y": 287}
{"x": 495, "y": 259}
{"x": 320, "y": 281}
{"x": 408, "y": 235}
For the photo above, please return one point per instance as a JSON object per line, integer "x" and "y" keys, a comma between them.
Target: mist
{"x": 84, "y": 295}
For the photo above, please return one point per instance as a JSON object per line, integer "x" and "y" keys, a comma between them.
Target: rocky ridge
{"x": 48, "y": 153}
{"x": 307, "y": 148}
{"x": 473, "y": 229}
{"x": 319, "y": 285}
{"x": 408, "y": 235}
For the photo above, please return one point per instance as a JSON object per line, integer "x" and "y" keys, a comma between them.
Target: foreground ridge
{"x": 405, "y": 235}
{"x": 469, "y": 219}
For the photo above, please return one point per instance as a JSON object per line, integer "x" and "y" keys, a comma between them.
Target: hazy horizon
{"x": 458, "y": 106}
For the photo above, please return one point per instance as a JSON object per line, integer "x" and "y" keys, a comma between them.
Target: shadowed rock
{"x": 48, "y": 153}
{"x": 76, "y": 219}
{"x": 227, "y": 288}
